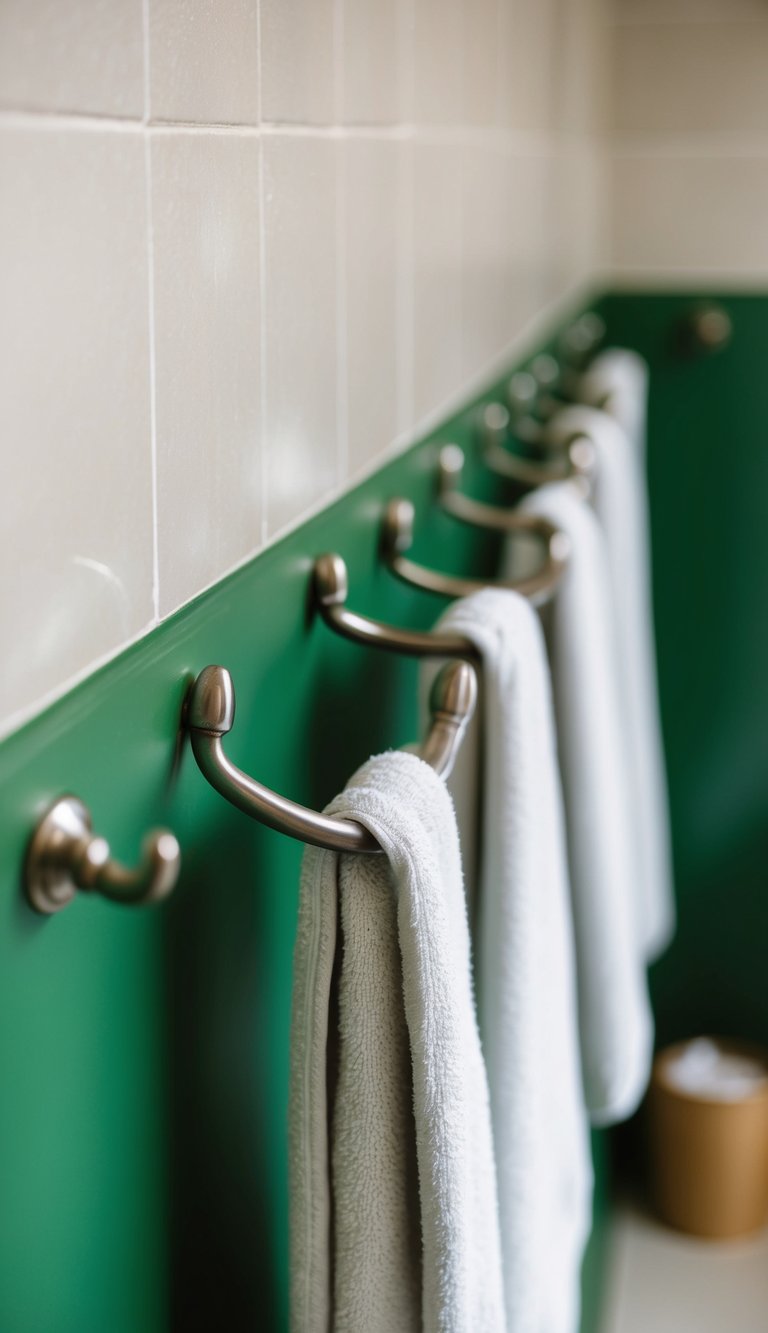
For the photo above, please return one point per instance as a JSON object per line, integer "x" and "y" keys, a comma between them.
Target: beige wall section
{"x": 689, "y": 117}
{"x": 246, "y": 251}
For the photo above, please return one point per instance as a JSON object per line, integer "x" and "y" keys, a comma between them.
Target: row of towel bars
{"x": 65, "y": 856}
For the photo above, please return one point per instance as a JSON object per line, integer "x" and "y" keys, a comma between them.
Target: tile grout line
{"x": 523, "y": 142}
{"x": 405, "y": 270}
{"x": 460, "y": 202}
{"x": 151, "y": 316}
{"x": 407, "y": 55}
{"x": 500, "y": 63}
{"x": 342, "y": 369}
{"x": 340, "y": 232}
{"x": 263, "y": 469}
{"x": 404, "y": 331}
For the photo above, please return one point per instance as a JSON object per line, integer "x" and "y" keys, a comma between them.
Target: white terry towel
{"x": 620, "y": 502}
{"x": 394, "y": 1215}
{"x": 525, "y": 971}
{"x": 617, "y": 380}
{"x": 615, "y": 1025}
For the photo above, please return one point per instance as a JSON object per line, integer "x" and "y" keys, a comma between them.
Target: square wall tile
{"x": 438, "y": 61}
{"x": 204, "y": 61}
{"x": 582, "y": 68}
{"x": 76, "y": 573}
{"x": 532, "y": 280}
{"x": 375, "y": 411}
{"x": 437, "y": 254}
{"x": 691, "y": 77}
{"x": 372, "y": 73}
{"x": 57, "y": 55}
{"x": 298, "y": 61}
{"x": 578, "y": 236}
{"x": 529, "y": 30}
{"x": 482, "y": 71}
{"x": 205, "y": 216}
{"x": 303, "y": 450}
{"x": 690, "y": 213}
{"x": 485, "y": 228}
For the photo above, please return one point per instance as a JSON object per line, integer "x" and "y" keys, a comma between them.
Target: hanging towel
{"x": 525, "y": 969}
{"x": 620, "y": 502}
{"x": 614, "y": 1014}
{"x": 394, "y": 1215}
{"x": 617, "y": 380}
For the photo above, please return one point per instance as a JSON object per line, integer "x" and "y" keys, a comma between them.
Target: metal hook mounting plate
{"x": 48, "y": 879}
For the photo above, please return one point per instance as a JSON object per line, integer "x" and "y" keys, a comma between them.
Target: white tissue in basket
{"x": 705, "y": 1069}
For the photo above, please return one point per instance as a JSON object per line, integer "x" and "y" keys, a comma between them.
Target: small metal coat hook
{"x": 706, "y": 328}
{"x": 522, "y": 395}
{"x": 571, "y": 457}
{"x": 581, "y": 339}
{"x": 330, "y": 588}
{"x": 397, "y": 538}
{"x": 211, "y": 715}
{"x": 64, "y": 855}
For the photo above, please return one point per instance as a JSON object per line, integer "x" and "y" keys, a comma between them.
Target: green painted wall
{"x": 708, "y": 473}
{"x": 144, "y": 1055}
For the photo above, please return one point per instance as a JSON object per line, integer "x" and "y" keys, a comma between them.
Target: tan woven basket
{"x": 709, "y": 1158}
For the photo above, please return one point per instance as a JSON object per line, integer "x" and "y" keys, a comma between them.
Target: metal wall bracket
{"x": 65, "y": 856}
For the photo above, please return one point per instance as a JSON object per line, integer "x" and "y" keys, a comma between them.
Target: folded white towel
{"x": 394, "y": 1215}
{"x": 525, "y": 969}
{"x": 614, "y": 1014}
{"x": 617, "y": 380}
{"x": 620, "y": 502}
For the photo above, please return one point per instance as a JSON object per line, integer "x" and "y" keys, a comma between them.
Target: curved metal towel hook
{"x": 521, "y": 419}
{"x": 581, "y": 339}
{"x": 331, "y": 586}
{"x": 64, "y": 855}
{"x": 573, "y": 455}
{"x": 557, "y": 385}
{"x": 211, "y": 714}
{"x": 536, "y": 394}
{"x": 533, "y": 395}
{"x": 496, "y": 518}
{"x": 397, "y": 538}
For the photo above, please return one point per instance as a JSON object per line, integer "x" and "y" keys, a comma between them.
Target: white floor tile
{"x": 665, "y": 1282}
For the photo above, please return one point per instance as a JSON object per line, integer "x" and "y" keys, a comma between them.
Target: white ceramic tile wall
{"x": 76, "y": 572}
{"x": 689, "y": 112}
{"x": 60, "y": 56}
{"x": 247, "y": 250}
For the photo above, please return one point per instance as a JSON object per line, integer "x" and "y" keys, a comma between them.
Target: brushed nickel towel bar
{"x": 397, "y": 539}
{"x": 64, "y": 856}
{"x": 330, "y": 589}
{"x": 211, "y": 714}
